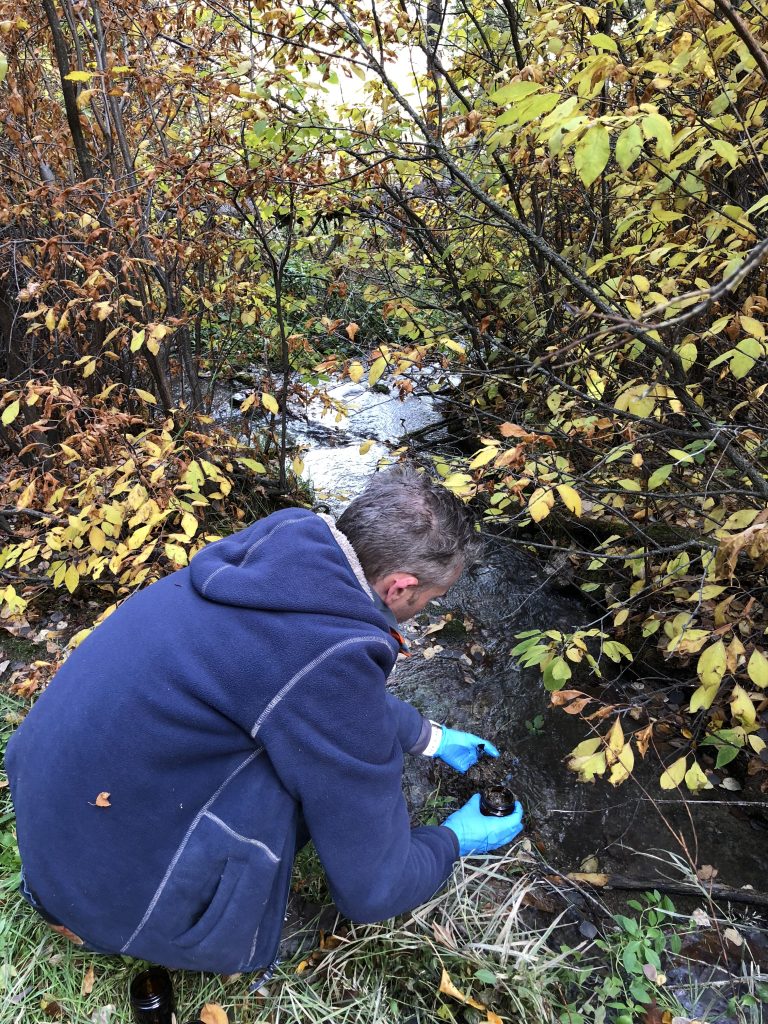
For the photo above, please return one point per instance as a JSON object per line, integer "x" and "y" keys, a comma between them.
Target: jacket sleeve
{"x": 334, "y": 743}
{"x": 411, "y": 726}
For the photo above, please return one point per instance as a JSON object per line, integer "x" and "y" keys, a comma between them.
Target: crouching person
{"x": 229, "y": 711}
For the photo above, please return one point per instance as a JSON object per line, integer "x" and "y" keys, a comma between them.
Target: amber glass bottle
{"x": 151, "y": 996}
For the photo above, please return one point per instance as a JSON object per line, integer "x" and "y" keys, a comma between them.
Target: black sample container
{"x": 151, "y": 995}
{"x": 497, "y": 801}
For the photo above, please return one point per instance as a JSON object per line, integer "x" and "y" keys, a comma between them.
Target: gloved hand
{"x": 479, "y": 833}
{"x": 459, "y": 749}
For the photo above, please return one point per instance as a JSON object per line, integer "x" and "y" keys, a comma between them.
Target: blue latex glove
{"x": 459, "y": 749}
{"x": 479, "y": 833}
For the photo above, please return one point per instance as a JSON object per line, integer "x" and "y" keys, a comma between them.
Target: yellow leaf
{"x": 622, "y": 767}
{"x": 570, "y": 498}
{"x": 25, "y": 498}
{"x": 176, "y": 553}
{"x": 297, "y": 466}
{"x": 540, "y": 503}
{"x": 189, "y": 524}
{"x": 674, "y": 775}
{"x": 483, "y": 457}
{"x": 712, "y": 664}
{"x": 96, "y": 538}
{"x": 84, "y": 98}
{"x": 10, "y": 413}
{"x": 702, "y": 698}
{"x": 137, "y": 340}
{"x": 138, "y": 537}
{"x": 378, "y": 367}
{"x": 586, "y": 747}
{"x": 757, "y": 669}
{"x": 615, "y": 741}
{"x": 742, "y": 708}
{"x": 50, "y": 319}
{"x": 146, "y": 396}
{"x": 753, "y": 327}
{"x": 270, "y": 403}
{"x": 212, "y": 1013}
{"x": 89, "y": 368}
{"x": 356, "y": 371}
{"x": 71, "y": 579}
{"x": 79, "y": 76}
{"x": 449, "y": 989}
{"x": 695, "y": 779}
{"x": 365, "y": 447}
{"x": 252, "y": 464}
{"x": 589, "y": 766}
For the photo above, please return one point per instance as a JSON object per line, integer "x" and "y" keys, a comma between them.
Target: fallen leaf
{"x": 87, "y": 984}
{"x": 732, "y": 936}
{"x": 590, "y": 877}
{"x": 701, "y": 918}
{"x": 706, "y": 873}
{"x": 352, "y": 329}
{"x": 102, "y": 800}
{"x": 449, "y": 989}
{"x": 589, "y": 864}
{"x": 212, "y": 1013}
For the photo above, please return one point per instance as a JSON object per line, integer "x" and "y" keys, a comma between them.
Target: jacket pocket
{"x": 212, "y": 901}
{"x": 234, "y": 869}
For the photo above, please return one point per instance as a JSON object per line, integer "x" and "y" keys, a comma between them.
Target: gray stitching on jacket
{"x": 247, "y": 554}
{"x": 182, "y": 845}
{"x": 309, "y": 668}
{"x": 243, "y": 839}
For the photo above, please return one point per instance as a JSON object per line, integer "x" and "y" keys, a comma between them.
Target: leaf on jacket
{"x": 102, "y": 800}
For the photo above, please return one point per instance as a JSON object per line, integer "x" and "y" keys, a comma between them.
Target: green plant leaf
{"x": 592, "y": 152}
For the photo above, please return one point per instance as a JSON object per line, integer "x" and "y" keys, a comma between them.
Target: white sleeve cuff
{"x": 434, "y": 740}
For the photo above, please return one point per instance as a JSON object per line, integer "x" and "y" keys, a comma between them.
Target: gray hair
{"x": 403, "y": 521}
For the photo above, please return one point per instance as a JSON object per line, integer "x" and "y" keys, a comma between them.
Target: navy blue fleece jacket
{"x": 218, "y": 707}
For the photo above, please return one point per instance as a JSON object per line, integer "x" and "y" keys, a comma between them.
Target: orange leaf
{"x": 212, "y": 1013}
{"x": 512, "y": 430}
{"x": 449, "y": 989}
{"x": 102, "y": 800}
{"x": 352, "y": 329}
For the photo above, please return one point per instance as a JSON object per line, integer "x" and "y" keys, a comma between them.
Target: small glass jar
{"x": 151, "y": 996}
{"x": 497, "y": 801}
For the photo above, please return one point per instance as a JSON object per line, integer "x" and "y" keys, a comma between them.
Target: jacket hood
{"x": 288, "y": 562}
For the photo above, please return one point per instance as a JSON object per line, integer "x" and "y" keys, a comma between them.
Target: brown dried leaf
{"x": 212, "y": 1013}
{"x": 102, "y": 800}
{"x": 563, "y": 696}
{"x": 642, "y": 739}
{"x": 89, "y": 978}
{"x": 577, "y": 706}
{"x": 352, "y": 329}
{"x": 707, "y": 873}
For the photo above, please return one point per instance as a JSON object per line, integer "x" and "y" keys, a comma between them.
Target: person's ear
{"x": 398, "y": 585}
